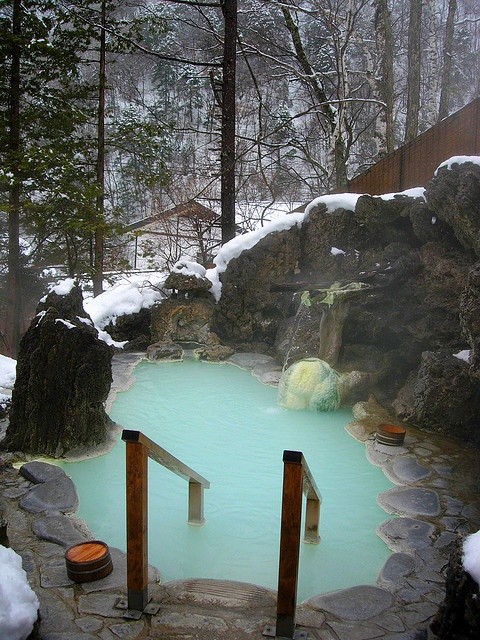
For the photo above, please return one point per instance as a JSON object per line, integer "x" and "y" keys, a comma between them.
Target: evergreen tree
{"x": 42, "y": 108}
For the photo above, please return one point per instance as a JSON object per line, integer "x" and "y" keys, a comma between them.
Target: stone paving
{"x": 435, "y": 499}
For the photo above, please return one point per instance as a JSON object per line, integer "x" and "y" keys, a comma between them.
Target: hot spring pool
{"x": 226, "y": 425}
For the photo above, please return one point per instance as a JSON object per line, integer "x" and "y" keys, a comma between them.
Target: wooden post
{"x": 195, "y": 503}
{"x": 137, "y": 519}
{"x": 312, "y": 518}
{"x": 289, "y": 543}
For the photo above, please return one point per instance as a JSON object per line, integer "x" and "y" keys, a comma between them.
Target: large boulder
{"x": 248, "y": 311}
{"x": 132, "y": 329}
{"x": 63, "y": 379}
{"x": 309, "y": 384}
{"x": 470, "y": 318}
{"x": 454, "y": 195}
{"x": 444, "y": 397}
{"x": 185, "y": 284}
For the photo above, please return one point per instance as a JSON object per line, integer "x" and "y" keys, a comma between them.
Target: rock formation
{"x": 185, "y": 319}
{"x": 132, "y": 329}
{"x": 63, "y": 379}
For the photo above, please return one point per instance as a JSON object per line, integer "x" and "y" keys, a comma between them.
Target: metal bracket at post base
{"x": 270, "y": 631}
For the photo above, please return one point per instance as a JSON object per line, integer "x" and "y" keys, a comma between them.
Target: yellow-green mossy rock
{"x": 309, "y": 384}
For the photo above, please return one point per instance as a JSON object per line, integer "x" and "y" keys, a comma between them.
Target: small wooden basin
{"x": 88, "y": 561}
{"x": 390, "y": 434}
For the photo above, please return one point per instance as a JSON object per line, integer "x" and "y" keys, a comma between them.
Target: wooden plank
{"x": 137, "y": 525}
{"x": 163, "y": 457}
{"x": 195, "y": 503}
{"x": 312, "y": 519}
{"x": 86, "y": 551}
{"x": 289, "y": 543}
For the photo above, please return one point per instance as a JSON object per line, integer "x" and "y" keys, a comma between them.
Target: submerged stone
{"x": 309, "y": 384}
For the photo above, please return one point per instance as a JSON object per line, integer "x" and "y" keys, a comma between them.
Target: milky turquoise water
{"x": 226, "y": 425}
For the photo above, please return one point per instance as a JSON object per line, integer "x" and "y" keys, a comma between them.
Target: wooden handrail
{"x": 138, "y": 449}
{"x": 163, "y": 457}
{"x": 297, "y": 479}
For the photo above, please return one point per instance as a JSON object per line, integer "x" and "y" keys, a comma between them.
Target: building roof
{"x": 190, "y": 209}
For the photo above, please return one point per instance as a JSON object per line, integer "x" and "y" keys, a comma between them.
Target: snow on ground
{"x": 7, "y": 378}
{"x": 18, "y": 603}
{"x": 471, "y": 555}
{"x": 463, "y": 355}
{"x": 415, "y": 192}
{"x": 123, "y": 298}
{"x": 186, "y": 267}
{"x": 347, "y": 201}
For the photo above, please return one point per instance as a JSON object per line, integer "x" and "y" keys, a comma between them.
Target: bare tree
{"x": 324, "y": 104}
{"x": 383, "y": 86}
{"x": 433, "y": 64}
{"x": 227, "y": 157}
{"x": 446, "y": 80}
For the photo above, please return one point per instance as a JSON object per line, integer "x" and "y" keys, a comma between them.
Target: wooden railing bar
{"x": 310, "y": 488}
{"x": 137, "y": 525}
{"x": 289, "y": 544}
{"x": 138, "y": 449}
{"x": 163, "y": 457}
{"x": 297, "y": 479}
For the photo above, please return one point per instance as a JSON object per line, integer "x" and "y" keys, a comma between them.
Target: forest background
{"x": 111, "y": 112}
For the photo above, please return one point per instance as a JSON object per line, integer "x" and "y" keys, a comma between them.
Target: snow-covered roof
{"x": 190, "y": 209}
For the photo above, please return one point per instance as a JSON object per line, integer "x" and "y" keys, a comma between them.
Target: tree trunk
{"x": 413, "y": 76}
{"x": 336, "y": 142}
{"x": 14, "y": 300}
{"x": 227, "y": 156}
{"x": 443, "y": 110}
{"x": 100, "y": 208}
{"x": 433, "y": 65}
{"x": 383, "y": 31}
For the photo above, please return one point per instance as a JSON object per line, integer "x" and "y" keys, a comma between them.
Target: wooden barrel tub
{"x": 88, "y": 561}
{"x": 390, "y": 434}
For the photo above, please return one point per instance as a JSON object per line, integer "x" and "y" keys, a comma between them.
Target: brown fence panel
{"x": 413, "y": 164}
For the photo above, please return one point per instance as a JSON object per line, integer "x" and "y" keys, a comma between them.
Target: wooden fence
{"x": 413, "y": 164}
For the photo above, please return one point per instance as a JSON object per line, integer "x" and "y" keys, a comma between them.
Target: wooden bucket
{"x": 88, "y": 561}
{"x": 390, "y": 434}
